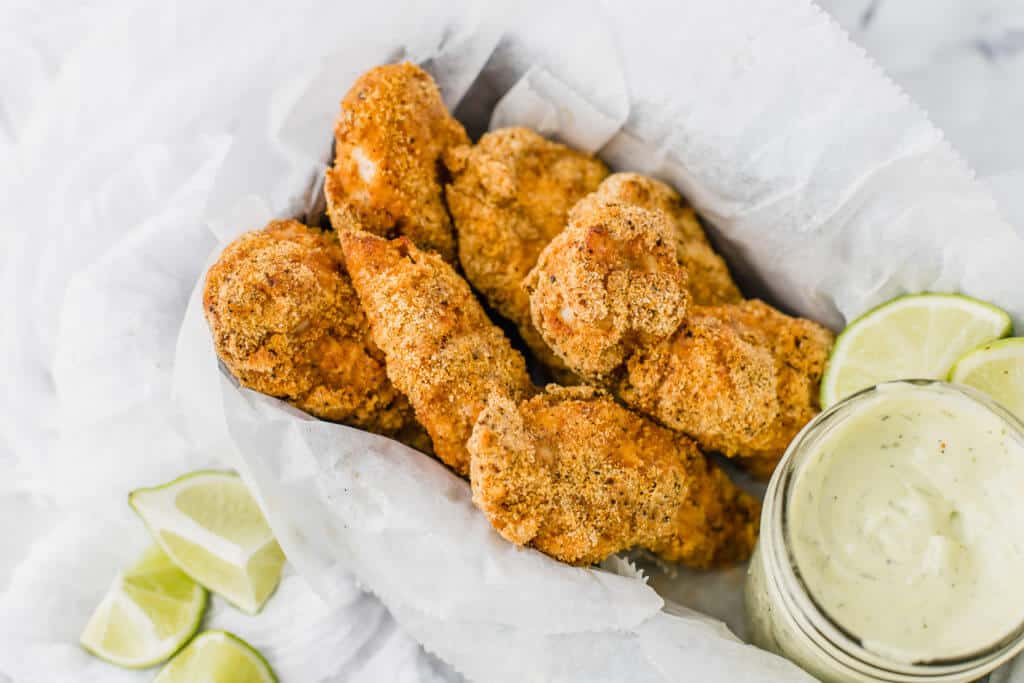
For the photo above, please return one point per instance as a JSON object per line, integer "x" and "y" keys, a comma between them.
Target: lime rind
{"x": 877, "y": 369}
{"x": 272, "y": 677}
{"x": 179, "y": 670}
{"x": 996, "y": 368}
{"x": 212, "y": 560}
{"x": 973, "y": 358}
{"x": 119, "y": 595}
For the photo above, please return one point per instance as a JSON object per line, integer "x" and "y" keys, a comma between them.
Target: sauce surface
{"x": 906, "y": 524}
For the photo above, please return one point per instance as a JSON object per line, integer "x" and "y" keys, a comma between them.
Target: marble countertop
{"x": 964, "y": 63}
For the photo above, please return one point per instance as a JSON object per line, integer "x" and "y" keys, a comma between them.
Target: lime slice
{"x": 150, "y": 611}
{"x": 912, "y": 337}
{"x": 217, "y": 657}
{"x": 997, "y": 369}
{"x": 212, "y": 528}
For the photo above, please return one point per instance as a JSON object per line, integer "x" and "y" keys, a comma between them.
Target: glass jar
{"x": 784, "y": 617}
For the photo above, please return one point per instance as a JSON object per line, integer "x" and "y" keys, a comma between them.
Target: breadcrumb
{"x": 578, "y": 477}
{"x": 742, "y": 379}
{"x": 800, "y": 349}
{"x": 510, "y": 195}
{"x": 710, "y": 281}
{"x": 712, "y": 380}
{"x": 608, "y": 285}
{"x": 286, "y": 322}
{"x": 387, "y": 175}
{"x": 442, "y": 350}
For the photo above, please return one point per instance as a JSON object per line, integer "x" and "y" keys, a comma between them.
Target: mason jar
{"x": 786, "y": 618}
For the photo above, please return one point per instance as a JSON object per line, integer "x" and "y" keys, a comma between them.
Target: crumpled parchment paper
{"x": 828, "y": 190}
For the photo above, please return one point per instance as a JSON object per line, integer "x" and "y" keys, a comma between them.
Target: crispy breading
{"x": 577, "y": 476}
{"x": 742, "y": 379}
{"x": 800, "y": 349}
{"x": 608, "y": 296}
{"x": 510, "y": 195}
{"x": 710, "y": 281}
{"x": 387, "y": 174}
{"x": 442, "y": 350}
{"x": 712, "y": 380}
{"x": 607, "y": 285}
{"x": 286, "y": 322}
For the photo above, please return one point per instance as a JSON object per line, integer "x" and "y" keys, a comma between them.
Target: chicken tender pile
{"x": 286, "y": 322}
{"x": 609, "y": 284}
{"x": 579, "y": 477}
{"x": 442, "y": 351}
{"x": 741, "y": 378}
{"x": 609, "y": 279}
{"x": 710, "y": 281}
{"x": 389, "y": 139}
{"x": 509, "y": 196}
{"x": 588, "y": 477}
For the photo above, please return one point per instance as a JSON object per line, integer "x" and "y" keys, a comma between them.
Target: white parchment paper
{"x": 828, "y": 190}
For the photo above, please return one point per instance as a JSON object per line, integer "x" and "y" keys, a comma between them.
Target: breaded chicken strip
{"x": 442, "y": 350}
{"x": 710, "y": 281}
{"x": 286, "y": 322}
{"x": 609, "y": 284}
{"x": 742, "y": 379}
{"x": 510, "y": 195}
{"x": 800, "y": 349}
{"x": 739, "y": 378}
{"x": 389, "y": 139}
{"x": 713, "y": 380}
{"x": 577, "y": 476}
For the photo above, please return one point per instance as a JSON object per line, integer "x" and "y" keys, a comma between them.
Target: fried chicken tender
{"x": 510, "y": 195}
{"x": 286, "y": 322}
{"x": 607, "y": 296}
{"x": 578, "y": 477}
{"x": 800, "y": 349}
{"x": 389, "y": 139}
{"x": 742, "y": 379}
{"x": 714, "y": 379}
{"x": 607, "y": 285}
{"x": 710, "y": 281}
{"x": 442, "y": 350}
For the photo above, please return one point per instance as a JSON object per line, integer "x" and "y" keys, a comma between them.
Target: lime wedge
{"x": 912, "y": 337}
{"x": 997, "y": 368}
{"x": 150, "y": 611}
{"x": 210, "y": 525}
{"x": 217, "y": 657}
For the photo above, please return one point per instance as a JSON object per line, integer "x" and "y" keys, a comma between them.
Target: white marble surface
{"x": 963, "y": 60}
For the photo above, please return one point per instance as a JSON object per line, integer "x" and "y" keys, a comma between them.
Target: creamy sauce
{"x": 906, "y": 524}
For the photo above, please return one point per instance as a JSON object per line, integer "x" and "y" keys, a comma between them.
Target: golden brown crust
{"x": 712, "y": 380}
{"x": 510, "y": 195}
{"x": 389, "y": 139}
{"x": 442, "y": 350}
{"x": 608, "y": 284}
{"x": 710, "y": 281}
{"x": 577, "y": 476}
{"x": 742, "y": 379}
{"x": 609, "y": 296}
{"x": 800, "y": 349}
{"x": 286, "y": 322}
